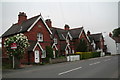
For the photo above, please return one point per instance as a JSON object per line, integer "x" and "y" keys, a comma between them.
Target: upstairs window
{"x": 40, "y": 37}
{"x": 67, "y": 41}
{"x": 55, "y": 40}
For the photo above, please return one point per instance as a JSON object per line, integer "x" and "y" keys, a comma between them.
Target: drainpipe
{"x": 117, "y": 48}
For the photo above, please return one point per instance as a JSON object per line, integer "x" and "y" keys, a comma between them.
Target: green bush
{"x": 49, "y": 52}
{"x": 96, "y": 54}
{"x": 83, "y": 48}
{"x": 87, "y": 55}
{"x": 56, "y": 54}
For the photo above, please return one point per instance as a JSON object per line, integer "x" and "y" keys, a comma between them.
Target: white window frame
{"x": 66, "y": 51}
{"x": 40, "y": 37}
{"x": 55, "y": 40}
{"x": 43, "y": 54}
{"x": 54, "y": 53}
{"x": 67, "y": 41}
{"x": 73, "y": 51}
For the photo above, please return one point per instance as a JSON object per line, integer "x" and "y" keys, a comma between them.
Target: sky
{"x": 95, "y": 16}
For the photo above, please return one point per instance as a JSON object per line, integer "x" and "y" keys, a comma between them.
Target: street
{"x": 103, "y": 67}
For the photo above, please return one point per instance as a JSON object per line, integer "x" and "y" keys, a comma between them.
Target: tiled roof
{"x": 76, "y": 32}
{"x": 18, "y": 28}
{"x": 91, "y": 38}
{"x": 61, "y": 33}
{"x": 96, "y": 37}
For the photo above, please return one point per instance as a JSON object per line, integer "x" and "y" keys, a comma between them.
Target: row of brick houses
{"x": 41, "y": 33}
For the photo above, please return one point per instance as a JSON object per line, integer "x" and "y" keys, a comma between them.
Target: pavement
{"x": 103, "y": 67}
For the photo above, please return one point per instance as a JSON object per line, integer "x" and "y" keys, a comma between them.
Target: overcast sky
{"x": 93, "y": 16}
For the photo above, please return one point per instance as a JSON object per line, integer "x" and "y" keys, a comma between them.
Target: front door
{"x": 37, "y": 56}
{"x": 66, "y": 51}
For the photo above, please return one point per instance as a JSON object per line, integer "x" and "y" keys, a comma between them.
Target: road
{"x": 103, "y": 67}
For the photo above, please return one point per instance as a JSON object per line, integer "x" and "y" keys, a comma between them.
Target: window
{"x": 67, "y": 41}
{"x": 43, "y": 54}
{"x": 40, "y": 37}
{"x": 73, "y": 51}
{"x": 66, "y": 51}
{"x": 55, "y": 40}
{"x": 39, "y": 26}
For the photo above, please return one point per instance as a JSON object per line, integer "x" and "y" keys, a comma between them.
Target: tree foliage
{"x": 116, "y": 32}
{"x": 21, "y": 42}
{"x": 49, "y": 52}
{"x": 81, "y": 46}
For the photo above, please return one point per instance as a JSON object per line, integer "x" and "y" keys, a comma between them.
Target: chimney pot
{"x": 88, "y": 33}
{"x": 110, "y": 34}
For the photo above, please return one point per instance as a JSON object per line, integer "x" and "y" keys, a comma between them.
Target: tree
{"x": 49, "y": 52}
{"x": 116, "y": 32}
{"x": 21, "y": 42}
{"x": 81, "y": 46}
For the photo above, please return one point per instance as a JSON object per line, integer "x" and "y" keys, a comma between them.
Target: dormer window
{"x": 40, "y": 37}
{"x": 43, "y": 54}
{"x": 93, "y": 44}
{"x": 55, "y": 40}
{"x": 67, "y": 40}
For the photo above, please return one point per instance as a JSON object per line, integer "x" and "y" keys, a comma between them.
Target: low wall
{"x": 57, "y": 60}
{"x": 102, "y": 54}
{"x": 73, "y": 57}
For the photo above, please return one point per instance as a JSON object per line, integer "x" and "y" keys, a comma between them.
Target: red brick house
{"x": 67, "y": 38}
{"x": 78, "y": 34}
{"x": 97, "y": 41}
{"x": 38, "y": 34}
{"x": 60, "y": 43}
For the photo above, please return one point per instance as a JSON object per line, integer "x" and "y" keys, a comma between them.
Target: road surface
{"x": 103, "y": 67}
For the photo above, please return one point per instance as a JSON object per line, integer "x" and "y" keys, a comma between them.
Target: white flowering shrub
{"x": 21, "y": 42}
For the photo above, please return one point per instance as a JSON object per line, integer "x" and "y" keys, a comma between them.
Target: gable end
{"x": 40, "y": 17}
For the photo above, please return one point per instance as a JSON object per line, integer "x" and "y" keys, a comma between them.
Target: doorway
{"x": 37, "y": 56}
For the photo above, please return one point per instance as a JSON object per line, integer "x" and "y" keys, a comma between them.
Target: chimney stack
{"x": 66, "y": 27}
{"x": 110, "y": 34}
{"x": 48, "y": 22}
{"x": 88, "y": 33}
{"x": 21, "y": 17}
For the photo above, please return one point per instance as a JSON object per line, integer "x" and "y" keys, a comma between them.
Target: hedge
{"x": 87, "y": 55}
